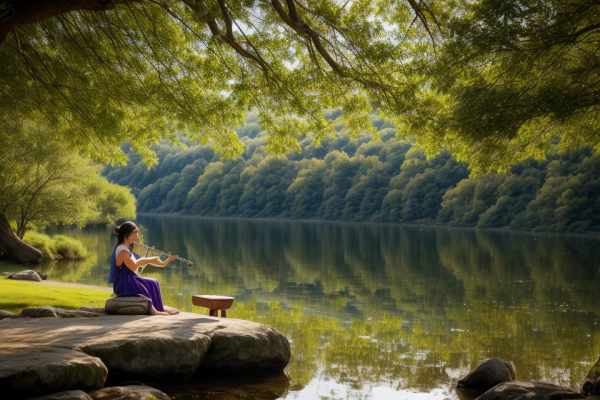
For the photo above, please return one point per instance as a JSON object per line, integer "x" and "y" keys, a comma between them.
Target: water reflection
{"x": 264, "y": 387}
{"x": 384, "y": 307}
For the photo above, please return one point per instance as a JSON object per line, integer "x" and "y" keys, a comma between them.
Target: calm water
{"x": 377, "y": 311}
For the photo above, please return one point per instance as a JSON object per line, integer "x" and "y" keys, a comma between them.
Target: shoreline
{"x": 420, "y": 224}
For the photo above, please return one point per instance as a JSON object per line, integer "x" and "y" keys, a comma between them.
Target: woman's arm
{"x": 155, "y": 261}
{"x": 133, "y": 264}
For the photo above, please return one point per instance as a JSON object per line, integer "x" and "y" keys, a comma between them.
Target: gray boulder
{"x": 66, "y": 395}
{"x": 487, "y": 375}
{"x": 62, "y": 313}
{"x": 514, "y": 390}
{"x": 135, "y": 305}
{"x": 40, "y": 312}
{"x": 591, "y": 382}
{"x": 26, "y": 372}
{"x": 128, "y": 393}
{"x": 42, "y": 275}
{"x": 151, "y": 353}
{"x": 95, "y": 310}
{"x": 28, "y": 275}
{"x": 6, "y": 314}
{"x": 53, "y": 312}
{"x": 235, "y": 348}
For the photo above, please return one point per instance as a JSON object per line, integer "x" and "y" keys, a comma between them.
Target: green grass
{"x": 16, "y": 296}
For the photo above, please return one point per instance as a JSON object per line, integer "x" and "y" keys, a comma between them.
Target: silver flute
{"x": 148, "y": 248}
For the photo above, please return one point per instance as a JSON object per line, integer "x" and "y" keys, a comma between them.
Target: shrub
{"x": 42, "y": 242}
{"x": 56, "y": 247}
{"x": 69, "y": 248}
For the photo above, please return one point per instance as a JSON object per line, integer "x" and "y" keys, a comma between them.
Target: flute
{"x": 148, "y": 248}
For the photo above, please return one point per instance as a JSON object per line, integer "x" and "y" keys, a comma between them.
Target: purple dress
{"x": 127, "y": 283}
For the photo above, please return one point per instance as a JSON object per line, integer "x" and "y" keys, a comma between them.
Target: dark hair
{"x": 124, "y": 230}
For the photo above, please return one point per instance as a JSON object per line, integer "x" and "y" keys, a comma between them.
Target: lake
{"x": 373, "y": 310}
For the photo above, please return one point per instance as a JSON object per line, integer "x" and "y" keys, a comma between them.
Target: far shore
{"x": 419, "y": 224}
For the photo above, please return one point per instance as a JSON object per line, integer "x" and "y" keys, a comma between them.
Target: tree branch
{"x": 15, "y": 13}
{"x": 580, "y": 32}
{"x": 303, "y": 29}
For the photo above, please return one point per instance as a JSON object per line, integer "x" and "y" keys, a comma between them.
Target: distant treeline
{"x": 363, "y": 180}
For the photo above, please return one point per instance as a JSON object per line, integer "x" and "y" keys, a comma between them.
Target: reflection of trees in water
{"x": 96, "y": 268}
{"x": 519, "y": 296}
{"x": 532, "y": 299}
{"x": 463, "y": 295}
{"x": 412, "y": 268}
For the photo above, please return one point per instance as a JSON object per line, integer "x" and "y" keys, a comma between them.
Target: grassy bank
{"x": 17, "y": 295}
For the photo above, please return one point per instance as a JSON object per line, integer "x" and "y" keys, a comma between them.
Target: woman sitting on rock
{"x": 124, "y": 264}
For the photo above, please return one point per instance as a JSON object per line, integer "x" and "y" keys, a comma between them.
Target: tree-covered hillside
{"x": 386, "y": 180}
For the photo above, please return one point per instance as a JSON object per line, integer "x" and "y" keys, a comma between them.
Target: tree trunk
{"x": 14, "y": 249}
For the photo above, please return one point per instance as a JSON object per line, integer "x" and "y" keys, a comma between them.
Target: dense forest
{"x": 381, "y": 179}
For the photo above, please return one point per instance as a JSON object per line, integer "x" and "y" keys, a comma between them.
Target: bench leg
{"x": 224, "y": 313}
{"x": 213, "y": 313}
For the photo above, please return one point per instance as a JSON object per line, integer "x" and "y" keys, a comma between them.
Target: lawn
{"x": 16, "y": 295}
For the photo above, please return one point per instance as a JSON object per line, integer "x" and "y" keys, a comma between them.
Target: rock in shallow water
{"x": 236, "y": 348}
{"x": 160, "y": 355}
{"x": 591, "y": 382}
{"x": 516, "y": 390}
{"x": 128, "y": 393}
{"x": 487, "y": 375}
{"x": 40, "y": 370}
{"x": 28, "y": 275}
{"x": 66, "y": 395}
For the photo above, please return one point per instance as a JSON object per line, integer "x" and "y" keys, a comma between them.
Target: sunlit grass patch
{"x": 18, "y": 295}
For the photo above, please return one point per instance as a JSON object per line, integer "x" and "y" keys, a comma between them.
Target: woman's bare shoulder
{"x": 121, "y": 248}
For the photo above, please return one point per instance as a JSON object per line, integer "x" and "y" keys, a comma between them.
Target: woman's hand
{"x": 134, "y": 264}
{"x": 156, "y": 261}
{"x": 171, "y": 258}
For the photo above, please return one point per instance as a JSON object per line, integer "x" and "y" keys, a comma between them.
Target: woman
{"x": 124, "y": 264}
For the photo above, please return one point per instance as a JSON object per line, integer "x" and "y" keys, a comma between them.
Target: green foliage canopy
{"x": 51, "y": 184}
{"x": 492, "y": 81}
{"x": 145, "y": 69}
{"x": 512, "y": 78}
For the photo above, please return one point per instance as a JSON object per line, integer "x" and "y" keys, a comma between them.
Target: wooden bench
{"x": 213, "y": 303}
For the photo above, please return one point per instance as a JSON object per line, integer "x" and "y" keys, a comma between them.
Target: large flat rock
{"x": 235, "y": 348}
{"x": 26, "y": 372}
{"x": 159, "y": 347}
